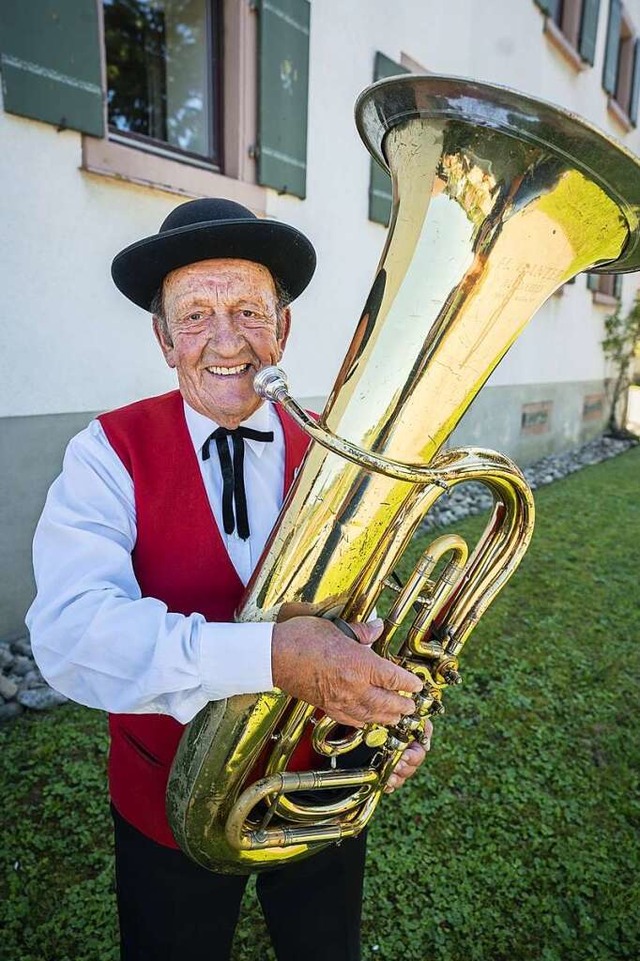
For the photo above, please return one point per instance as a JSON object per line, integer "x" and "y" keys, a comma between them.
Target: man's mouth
{"x": 229, "y": 371}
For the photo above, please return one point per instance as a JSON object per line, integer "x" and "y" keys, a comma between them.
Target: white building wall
{"x": 72, "y": 342}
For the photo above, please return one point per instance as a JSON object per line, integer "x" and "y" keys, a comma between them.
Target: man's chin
{"x": 227, "y": 411}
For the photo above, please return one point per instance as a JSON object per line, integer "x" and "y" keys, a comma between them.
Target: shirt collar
{"x": 201, "y": 427}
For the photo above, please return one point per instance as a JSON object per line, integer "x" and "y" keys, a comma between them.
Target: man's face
{"x": 223, "y": 327}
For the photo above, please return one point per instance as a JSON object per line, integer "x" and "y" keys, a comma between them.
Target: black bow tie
{"x": 233, "y": 474}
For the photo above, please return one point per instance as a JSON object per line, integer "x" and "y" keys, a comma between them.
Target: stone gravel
{"x": 23, "y": 688}
{"x": 474, "y": 498}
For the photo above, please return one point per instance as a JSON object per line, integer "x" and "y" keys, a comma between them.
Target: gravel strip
{"x": 474, "y": 498}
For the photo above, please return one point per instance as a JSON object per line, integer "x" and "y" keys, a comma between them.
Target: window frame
{"x": 214, "y": 101}
{"x": 621, "y": 106}
{"x": 606, "y": 289}
{"x": 130, "y": 157}
{"x": 569, "y": 20}
{"x": 565, "y": 40}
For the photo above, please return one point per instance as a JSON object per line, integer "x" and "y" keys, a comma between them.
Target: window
{"x": 572, "y": 27}
{"x": 536, "y": 418}
{"x": 180, "y": 115}
{"x": 622, "y": 93}
{"x": 163, "y": 73}
{"x": 567, "y": 19}
{"x": 606, "y": 288}
{"x": 172, "y": 93}
{"x": 621, "y": 77}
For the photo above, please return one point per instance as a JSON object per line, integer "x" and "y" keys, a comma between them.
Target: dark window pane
{"x": 159, "y": 56}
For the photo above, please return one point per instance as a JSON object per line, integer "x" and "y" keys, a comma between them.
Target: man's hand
{"x": 410, "y": 761}
{"x": 314, "y": 661}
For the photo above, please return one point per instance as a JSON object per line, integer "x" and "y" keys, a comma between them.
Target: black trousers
{"x": 171, "y": 909}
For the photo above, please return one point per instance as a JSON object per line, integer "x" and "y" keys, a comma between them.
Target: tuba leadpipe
{"x": 498, "y": 200}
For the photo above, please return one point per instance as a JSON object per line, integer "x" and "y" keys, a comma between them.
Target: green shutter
{"x": 593, "y": 281}
{"x": 589, "y": 30}
{"x": 549, "y": 7}
{"x": 610, "y": 73}
{"x": 635, "y": 86}
{"x": 284, "y": 83}
{"x": 50, "y": 62}
{"x": 379, "y": 180}
{"x": 617, "y": 286}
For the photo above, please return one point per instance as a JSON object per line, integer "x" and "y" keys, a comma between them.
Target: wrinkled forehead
{"x": 220, "y": 279}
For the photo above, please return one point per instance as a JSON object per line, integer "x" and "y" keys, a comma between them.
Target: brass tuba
{"x": 498, "y": 200}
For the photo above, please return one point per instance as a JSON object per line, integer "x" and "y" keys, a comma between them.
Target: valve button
{"x": 375, "y": 735}
{"x": 452, "y": 677}
{"x": 422, "y": 701}
{"x": 410, "y": 722}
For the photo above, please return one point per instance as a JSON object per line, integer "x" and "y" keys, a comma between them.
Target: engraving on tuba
{"x": 498, "y": 199}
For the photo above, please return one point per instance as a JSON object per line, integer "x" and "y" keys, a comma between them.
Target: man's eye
{"x": 249, "y": 313}
{"x": 198, "y": 315}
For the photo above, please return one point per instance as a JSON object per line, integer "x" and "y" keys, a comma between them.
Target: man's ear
{"x": 285, "y": 327}
{"x": 166, "y": 346}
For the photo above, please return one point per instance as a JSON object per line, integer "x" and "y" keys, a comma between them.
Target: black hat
{"x": 208, "y": 228}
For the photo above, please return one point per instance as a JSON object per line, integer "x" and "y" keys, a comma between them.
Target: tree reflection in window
{"x": 161, "y": 85}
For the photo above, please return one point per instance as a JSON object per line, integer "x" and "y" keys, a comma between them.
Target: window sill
{"x": 111, "y": 159}
{"x": 563, "y": 45}
{"x": 618, "y": 114}
{"x": 607, "y": 300}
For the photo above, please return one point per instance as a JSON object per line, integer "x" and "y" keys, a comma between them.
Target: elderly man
{"x": 146, "y": 541}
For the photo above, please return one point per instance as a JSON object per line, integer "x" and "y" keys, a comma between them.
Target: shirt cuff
{"x": 235, "y": 659}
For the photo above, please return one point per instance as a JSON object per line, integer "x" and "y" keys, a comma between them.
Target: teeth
{"x": 226, "y": 371}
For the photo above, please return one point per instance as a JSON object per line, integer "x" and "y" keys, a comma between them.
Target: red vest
{"x": 179, "y": 558}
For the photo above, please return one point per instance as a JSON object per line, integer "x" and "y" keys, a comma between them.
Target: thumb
{"x": 368, "y": 632}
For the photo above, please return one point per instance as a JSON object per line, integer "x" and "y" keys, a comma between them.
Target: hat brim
{"x": 138, "y": 270}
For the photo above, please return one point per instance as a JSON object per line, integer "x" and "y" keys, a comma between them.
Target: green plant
{"x": 622, "y": 336}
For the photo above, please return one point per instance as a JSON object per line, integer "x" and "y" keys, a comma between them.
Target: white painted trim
{"x": 112, "y": 159}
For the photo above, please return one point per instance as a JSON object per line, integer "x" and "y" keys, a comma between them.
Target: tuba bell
{"x": 498, "y": 200}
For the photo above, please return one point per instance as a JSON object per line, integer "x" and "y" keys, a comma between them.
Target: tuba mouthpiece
{"x": 271, "y": 383}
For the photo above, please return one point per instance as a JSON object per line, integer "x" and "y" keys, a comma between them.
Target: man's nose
{"x": 224, "y": 334}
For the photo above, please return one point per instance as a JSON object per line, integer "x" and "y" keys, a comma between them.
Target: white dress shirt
{"x": 94, "y": 637}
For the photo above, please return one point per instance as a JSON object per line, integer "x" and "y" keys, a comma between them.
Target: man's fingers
{"x": 369, "y": 631}
{"x": 347, "y": 719}
{"x": 413, "y": 756}
{"x": 406, "y": 767}
{"x": 378, "y": 707}
{"x": 391, "y": 677}
{"x": 349, "y": 682}
{"x": 428, "y": 732}
{"x": 386, "y": 707}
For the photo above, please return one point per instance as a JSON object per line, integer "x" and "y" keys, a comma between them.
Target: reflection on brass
{"x": 497, "y": 200}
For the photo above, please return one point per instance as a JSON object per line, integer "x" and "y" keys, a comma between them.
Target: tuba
{"x": 498, "y": 200}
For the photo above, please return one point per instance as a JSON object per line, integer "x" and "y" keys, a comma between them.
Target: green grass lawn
{"x": 518, "y": 840}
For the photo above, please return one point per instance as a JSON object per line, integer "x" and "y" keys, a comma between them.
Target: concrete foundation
{"x": 529, "y": 421}
{"x": 31, "y": 452}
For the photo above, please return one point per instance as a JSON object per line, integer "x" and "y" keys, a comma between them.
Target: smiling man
{"x": 141, "y": 556}
{"x": 226, "y": 324}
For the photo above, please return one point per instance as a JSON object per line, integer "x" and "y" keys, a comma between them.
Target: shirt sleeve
{"x": 94, "y": 637}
